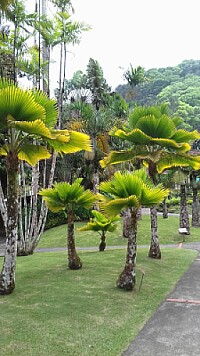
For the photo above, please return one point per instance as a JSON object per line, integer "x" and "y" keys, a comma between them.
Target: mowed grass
{"x": 167, "y": 230}
{"x": 55, "y": 311}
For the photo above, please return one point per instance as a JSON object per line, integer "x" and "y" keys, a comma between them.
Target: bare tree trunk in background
{"x": 184, "y": 215}
{"x": 195, "y": 206}
{"x": 165, "y": 209}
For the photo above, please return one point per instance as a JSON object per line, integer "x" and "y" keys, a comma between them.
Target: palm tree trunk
{"x": 126, "y": 223}
{"x": 102, "y": 245}
{"x": 184, "y": 215}
{"x": 7, "y": 276}
{"x": 154, "y": 251}
{"x": 3, "y": 207}
{"x": 195, "y": 208}
{"x": 127, "y": 278}
{"x": 74, "y": 261}
{"x": 165, "y": 209}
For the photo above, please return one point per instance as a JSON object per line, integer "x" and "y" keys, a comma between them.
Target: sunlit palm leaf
{"x": 32, "y": 153}
{"x": 184, "y": 136}
{"x": 86, "y": 200}
{"x": 115, "y": 157}
{"x": 50, "y": 107}
{"x": 69, "y": 192}
{"x": 171, "y": 160}
{"x": 114, "y": 207}
{"x": 78, "y": 142}
{"x": 3, "y": 150}
{"x": 20, "y": 105}
{"x": 36, "y": 127}
{"x": 153, "y": 196}
{"x": 169, "y": 143}
{"x": 64, "y": 194}
{"x": 100, "y": 223}
{"x": 135, "y": 136}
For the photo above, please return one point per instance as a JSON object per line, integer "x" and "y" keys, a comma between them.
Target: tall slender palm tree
{"x": 155, "y": 139}
{"x": 26, "y": 121}
{"x": 129, "y": 191}
{"x": 66, "y": 197}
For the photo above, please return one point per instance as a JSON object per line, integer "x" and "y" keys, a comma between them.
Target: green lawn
{"x": 167, "y": 229}
{"x": 55, "y": 311}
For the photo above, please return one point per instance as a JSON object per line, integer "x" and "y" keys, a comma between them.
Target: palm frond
{"x": 135, "y": 136}
{"x": 86, "y": 200}
{"x": 50, "y": 106}
{"x": 181, "y": 160}
{"x": 33, "y": 153}
{"x": 162, "y": 127}
{"x": 185, "y": 136}
{"x": 20, "y": 105}
{"x": 114, "y": 207}
{"x": 153, "y": 196}
{"x": 36, "y": 127}
{"x": 115, "y": 157}
{"x": 75, "y": 142}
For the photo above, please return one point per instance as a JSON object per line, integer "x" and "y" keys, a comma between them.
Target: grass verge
{"x": 55, "y": 311}
{"x": 167, "y": 231}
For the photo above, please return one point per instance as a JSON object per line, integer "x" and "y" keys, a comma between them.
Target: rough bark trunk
{"x": 74, "y": 261}
{"x": 184, "y": 215}
{"x": 195, "y": 208}
{"x": 126, "y": 223}
{"x": 3, "y": 208}
{"x": 7, "y": 276}
{"x": 34, "y": 225}
{"x": 165, "y": 209}
{"x": 154, "y": 251}
{"x": 127, "y": 278}
{"x": 102, "y": 244}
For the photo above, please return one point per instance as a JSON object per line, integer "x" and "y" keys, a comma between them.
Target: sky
{"x": 149, "y": 33}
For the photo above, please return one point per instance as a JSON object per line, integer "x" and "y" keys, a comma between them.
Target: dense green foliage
{"x": 178, "y": 86}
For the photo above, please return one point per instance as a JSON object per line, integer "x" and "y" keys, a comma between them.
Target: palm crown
{"x": 100, "y": 222}
{"x": 153, "y": 136}
{"x": 28, "y": 115}
{"x": 129, "y": 190}
{"x": 66, "y": 196}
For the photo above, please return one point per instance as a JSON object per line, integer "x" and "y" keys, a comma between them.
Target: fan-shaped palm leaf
{"x": 50, "y": 106}
{"x": 19, "y": 105}
{"x": 36, "y": 128}
{"x": 100, "y": 222}
{"x": 114, "y": 207}
{"x": 77, "y": 142}
{"x": 184, "y": 136}
{"x": 32, "y": 153}
{"x": 170, "y": 160}
{"x": 162, "y": 127}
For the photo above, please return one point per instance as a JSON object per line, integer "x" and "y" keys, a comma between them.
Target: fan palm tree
{"x": 155, "y": 139}
{"x": 102, "y": 225}
{"x": 129, "y": 191}
{"x": 65, "y": 196}
{"x": 26, "y": 121}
